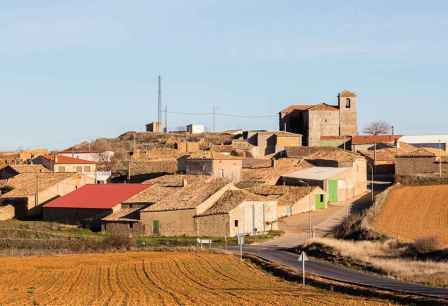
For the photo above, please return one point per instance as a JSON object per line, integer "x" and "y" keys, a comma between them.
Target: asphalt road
{"x": 345, "y": 275}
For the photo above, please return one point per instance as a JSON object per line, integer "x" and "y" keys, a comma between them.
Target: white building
{"x": 426, "y": 141}
{"x": 195, "y": 128}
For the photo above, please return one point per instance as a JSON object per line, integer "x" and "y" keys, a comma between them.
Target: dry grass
{"x": 388, "y": 257}
{"x": 414, "y": 212}
{"x": 152, "y": 278}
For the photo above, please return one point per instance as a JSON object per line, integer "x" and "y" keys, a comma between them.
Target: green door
{"x": 332, "y": 190}
{"x": 319, "y": 200}
{"x": 156, "y": 227}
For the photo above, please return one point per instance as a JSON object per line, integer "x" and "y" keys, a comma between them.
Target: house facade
{"x": 214, "y": 164}
{"x": 315, "y": 121}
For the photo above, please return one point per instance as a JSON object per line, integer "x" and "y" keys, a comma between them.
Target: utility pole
{"x": 37, "y": 190}
{"x": 166, "y": 118}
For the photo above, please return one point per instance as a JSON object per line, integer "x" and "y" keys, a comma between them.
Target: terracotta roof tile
{"x": 61, "y": 159}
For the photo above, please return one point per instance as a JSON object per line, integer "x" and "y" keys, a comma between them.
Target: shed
{"x": 238, "y": 212}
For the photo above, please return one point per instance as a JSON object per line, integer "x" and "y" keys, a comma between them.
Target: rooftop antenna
{"x": 159, "y": 102}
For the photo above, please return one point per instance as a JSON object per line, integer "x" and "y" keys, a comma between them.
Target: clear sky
{"x": 73, "y": 70}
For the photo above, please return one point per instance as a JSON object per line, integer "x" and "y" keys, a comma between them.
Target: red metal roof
{"x": 67, "y": 160}
{"x": 103, "y": 196}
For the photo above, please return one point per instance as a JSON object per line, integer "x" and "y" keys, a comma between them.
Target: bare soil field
{"x": 415, "y": 212}
{"x": 152, "y": 278}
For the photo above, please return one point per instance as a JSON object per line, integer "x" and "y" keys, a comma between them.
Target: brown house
{"x": 174, "y": 214}
{"x": 420, "y": 162}
{"x": 32, "y": 190}
{"x": 215, "y": 164}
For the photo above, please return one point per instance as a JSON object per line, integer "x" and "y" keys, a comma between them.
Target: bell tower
{"x": 348, "y": 113}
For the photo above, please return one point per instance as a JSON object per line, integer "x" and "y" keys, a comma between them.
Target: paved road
{"x": 345, "y": 275}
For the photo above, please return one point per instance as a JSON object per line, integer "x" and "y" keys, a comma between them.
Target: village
{"x": 216, "y": 184}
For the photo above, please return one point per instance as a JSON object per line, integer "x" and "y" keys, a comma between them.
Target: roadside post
{"x": 302, "y": 258}
{"x": 241, "y": 243}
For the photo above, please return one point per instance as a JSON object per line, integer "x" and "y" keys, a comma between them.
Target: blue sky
{"x": 73, "y": 70}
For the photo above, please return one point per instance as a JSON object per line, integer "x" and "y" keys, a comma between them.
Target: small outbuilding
{"x": 215, "y": 164}
{"x": 292, "y": 200}
{"x": 238, "y": 212}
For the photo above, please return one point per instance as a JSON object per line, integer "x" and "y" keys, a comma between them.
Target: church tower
{"x": 348, "y": 113}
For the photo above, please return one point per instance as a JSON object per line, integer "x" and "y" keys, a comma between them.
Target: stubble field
{"x": 152, "y": 278}
{"x": 414, "y": 212}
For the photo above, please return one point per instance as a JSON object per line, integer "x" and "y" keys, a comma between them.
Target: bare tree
{"x": 378, "y": 128}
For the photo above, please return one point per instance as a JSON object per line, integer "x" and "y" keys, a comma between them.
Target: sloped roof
{"x": 210, "y": 155}
{"x": 417, "y": 153}
{"x": 25, "y": 184}
{"x": 372, "y": 139}
{"x": 308, "y": 107}
{"x": 272, "y": 174}
{"x": 230, "y": 200}
{"x": 29, "y": 168}
{"x": 62, "y": 159}
{"x": 190, "y": 196}
{"x": 322, "y": 153}
{"x": 318, "y": 173}
{"x": 286, "y": 195}
{"x": 121, "y": 215}
{"x": 100, "y": 196}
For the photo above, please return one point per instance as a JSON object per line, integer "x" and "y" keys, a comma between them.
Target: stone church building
{"x": 319, "y": 120}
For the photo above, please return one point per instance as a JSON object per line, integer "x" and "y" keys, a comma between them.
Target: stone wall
{"x": 415, "y": 165}
{"x": 213, "y": 225}
{"x": 322, "y": 123}
{"x": 123, "y": 228}
{"x": 172, "y": 223}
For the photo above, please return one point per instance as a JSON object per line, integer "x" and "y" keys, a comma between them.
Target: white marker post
{"x": 241, "y": 243}
{"x": 302, "y": 258}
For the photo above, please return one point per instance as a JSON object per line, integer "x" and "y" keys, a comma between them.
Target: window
{"x": 78, "y": 169}
{"x": 348, "y": 103}
{"x": 322, "y": 198}
{"x": 61, "y": 169}
{"x": 236, "y": 223}
{"x": 87, "y": 169}
{"x": 131, "y": 225}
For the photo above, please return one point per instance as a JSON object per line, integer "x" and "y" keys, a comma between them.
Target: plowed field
{"x": 151, "y": 278}
{"x": 412, "y": 212}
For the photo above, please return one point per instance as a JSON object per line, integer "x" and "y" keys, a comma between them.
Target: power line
{"x": 224, "y": 115}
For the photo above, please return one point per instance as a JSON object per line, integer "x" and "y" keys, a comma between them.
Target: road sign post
{"x": 241, "y": 243}
{"x": 302, "y": 258}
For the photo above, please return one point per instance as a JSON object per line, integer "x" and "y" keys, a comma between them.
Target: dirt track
{"x": 412, "y": 212}
{"x": 151, "y": 278}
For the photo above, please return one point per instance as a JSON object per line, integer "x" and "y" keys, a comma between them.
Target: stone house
{"x": 420, "y": 162}
{"x": 174, "y": 214}
{"x": 315, "y": 121}
{"x": 292, "y": 200}
{"x": 238, "y": 212}
{"x": 214, "y": 164}
{"x": 154, "y": 127}
{"x": 62, "y": 163}
{"x": 32, "y": 190}
{"x": 91, "y": 203}
{"x": 11, "y": 171}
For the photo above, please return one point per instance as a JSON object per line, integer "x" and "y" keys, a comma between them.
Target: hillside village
{"x": 215, "y": 184}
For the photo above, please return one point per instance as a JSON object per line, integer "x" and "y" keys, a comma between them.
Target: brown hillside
{"x": 413, "y": 212}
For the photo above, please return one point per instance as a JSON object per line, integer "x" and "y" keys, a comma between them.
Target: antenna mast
{"x": 159, "y": 102}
